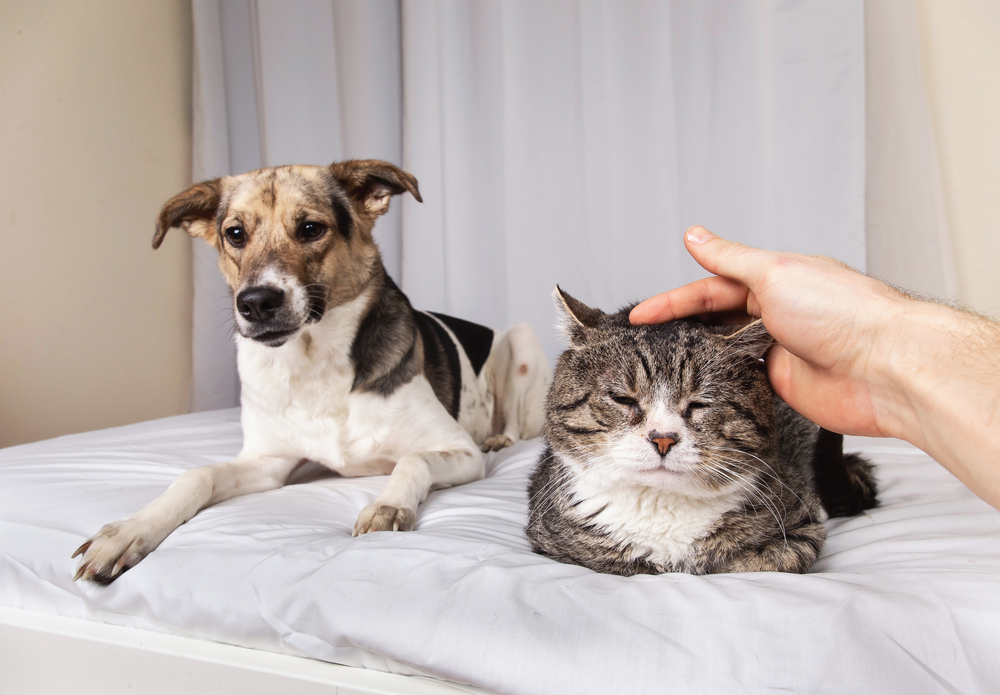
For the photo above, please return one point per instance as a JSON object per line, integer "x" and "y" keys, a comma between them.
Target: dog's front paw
{"x": 383, "y": 517}
{"x": 118, "y": 546}
{"x": 497, "y": 442}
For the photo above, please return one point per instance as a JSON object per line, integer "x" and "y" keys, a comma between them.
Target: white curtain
{"x": 572, "y": 142}
{"x": 565, "y": 141}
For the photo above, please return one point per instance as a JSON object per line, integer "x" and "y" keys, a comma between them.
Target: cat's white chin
{"x": 664, "y": 473}
{"x": 675, "y": 480}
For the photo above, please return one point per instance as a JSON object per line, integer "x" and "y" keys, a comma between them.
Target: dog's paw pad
{"x": 114, "y": 549}
{"x": 383, "y": 517}
{"x": 497, "y": 442}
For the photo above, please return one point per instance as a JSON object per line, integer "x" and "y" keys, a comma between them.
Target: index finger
{"x": 705, "y": 296}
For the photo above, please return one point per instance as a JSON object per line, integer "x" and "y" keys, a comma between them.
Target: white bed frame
{"x": 42, "y": 654}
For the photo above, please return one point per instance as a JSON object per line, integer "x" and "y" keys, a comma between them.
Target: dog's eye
{"x": 236, "y": 236}
{"x": 310, "y": 231}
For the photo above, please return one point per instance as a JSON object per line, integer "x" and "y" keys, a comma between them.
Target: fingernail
{"x": 698, "y": 235}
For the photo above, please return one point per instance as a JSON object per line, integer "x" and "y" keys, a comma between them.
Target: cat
{"x": 667, "y": 451}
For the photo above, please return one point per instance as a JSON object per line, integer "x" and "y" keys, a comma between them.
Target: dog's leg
{"x": 395, "y": 509}
{"x": 520, "y": 377}
{"x": 121, "y": 544}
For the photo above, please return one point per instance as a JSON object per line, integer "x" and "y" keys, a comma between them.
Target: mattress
{"x": 904, "y": 598}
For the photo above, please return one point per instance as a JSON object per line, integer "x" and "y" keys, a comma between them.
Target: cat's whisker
{"x": 545, "y": 499}
{"x": 751, "y": 495}
{"x": 738, "y": 462}
{"x": 772, "y": 472}
{"x": 546, "y": 495}
{"x": 767, "y": 469}
{"x": 747, "y": 487}
{"x": 549, "y": 502}
{"x": 550, "y": 487}
{"x": 770, "y": 501}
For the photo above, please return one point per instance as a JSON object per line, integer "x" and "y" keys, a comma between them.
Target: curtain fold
{"x": 573, "y": 141}
{"x": 214, "y": 381}
{"x": 567, "y": 141}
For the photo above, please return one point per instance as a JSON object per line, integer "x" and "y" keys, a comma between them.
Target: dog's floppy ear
{"x": 371, "y": 182}
{"x": 194, "y": 210}
{"x": 578, "y": 318}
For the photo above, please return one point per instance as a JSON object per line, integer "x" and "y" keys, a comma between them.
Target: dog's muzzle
{"x": 265, "y": 315}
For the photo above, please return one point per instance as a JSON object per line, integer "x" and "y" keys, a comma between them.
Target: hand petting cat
{"x": 857, "y": 356}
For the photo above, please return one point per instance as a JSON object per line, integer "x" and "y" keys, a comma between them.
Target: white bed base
{"x": 42, "y": 653}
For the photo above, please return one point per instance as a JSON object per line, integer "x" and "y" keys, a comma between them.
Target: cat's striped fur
{"x": 668, "y": 452}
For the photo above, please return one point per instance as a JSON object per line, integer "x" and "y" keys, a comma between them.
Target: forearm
{"x": 941, "y": 391}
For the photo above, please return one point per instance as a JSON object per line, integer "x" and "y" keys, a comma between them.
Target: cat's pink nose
{"x": 662, "y": 442}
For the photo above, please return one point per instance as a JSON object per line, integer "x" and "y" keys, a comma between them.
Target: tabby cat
{"x": 667, "y": 451}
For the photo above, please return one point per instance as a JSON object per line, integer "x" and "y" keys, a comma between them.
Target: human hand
{"x": 833, "y": 327}
{"x": 855, "y": 355}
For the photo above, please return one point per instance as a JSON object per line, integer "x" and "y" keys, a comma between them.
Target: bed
{"x": 270, "y": 593}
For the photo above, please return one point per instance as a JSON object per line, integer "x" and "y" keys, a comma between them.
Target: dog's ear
{"x": 193, "y": 210}
{"x": 579, "y": 320}
{"x": 371, "y": 182}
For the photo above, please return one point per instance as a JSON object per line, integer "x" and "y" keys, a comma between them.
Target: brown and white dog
{"x": 336, "y": 366}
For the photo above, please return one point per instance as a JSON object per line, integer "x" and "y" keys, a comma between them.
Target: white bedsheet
{"x": 903, "y": 600}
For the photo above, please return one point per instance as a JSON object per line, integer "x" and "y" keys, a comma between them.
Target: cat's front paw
{"x": 384, "y": 517}
{"x": 497, "y": 442}
{"x": 117, "y": 547}
{"x": 795, "y": 553}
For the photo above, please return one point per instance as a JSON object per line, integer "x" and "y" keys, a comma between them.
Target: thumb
{"x": 729, "y": 259}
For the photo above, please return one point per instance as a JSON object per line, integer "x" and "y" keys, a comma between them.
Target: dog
{"x": 336, "y": 365}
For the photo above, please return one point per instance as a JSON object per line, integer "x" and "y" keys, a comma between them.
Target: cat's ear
{"x": 752, "y": 340}
{"x": 578, "y": 318}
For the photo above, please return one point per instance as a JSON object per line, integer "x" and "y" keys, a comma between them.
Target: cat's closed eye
{"x": 622, "y": 399}
{"x": 693, "y": 406}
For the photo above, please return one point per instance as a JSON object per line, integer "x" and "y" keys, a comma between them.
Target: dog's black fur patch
{"x": 345, "y": 224}
{"x": 441, "y": 362}
{"x": 340, "y": 202}
{"x": 384, "y": 351}
{"x": 476, "y": 340}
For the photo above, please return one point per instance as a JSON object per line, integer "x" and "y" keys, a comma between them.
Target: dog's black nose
{"x": 258, "y": 304}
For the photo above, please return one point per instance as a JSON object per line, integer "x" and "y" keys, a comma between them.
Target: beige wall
{"x": 94, "y": 135}
{"x": 960, "y": 46}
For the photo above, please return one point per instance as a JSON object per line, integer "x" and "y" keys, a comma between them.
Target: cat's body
{"x": 668, "y": 452}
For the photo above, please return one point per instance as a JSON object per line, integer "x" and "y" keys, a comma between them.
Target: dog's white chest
{"x": 298, "y": 401}
{"x": 296, "y": 405}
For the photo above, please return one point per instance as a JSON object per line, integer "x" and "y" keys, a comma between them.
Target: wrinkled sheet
{"x": 903, "y": 600}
